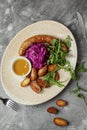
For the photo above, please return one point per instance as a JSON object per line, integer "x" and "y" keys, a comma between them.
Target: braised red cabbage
{"x": 38, "y": 54}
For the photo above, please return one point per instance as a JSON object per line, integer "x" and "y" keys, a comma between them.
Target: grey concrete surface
{"x": 14, "y": 16}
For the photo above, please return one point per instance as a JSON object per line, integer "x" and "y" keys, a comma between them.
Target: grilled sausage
{"x": 34, "y": 39}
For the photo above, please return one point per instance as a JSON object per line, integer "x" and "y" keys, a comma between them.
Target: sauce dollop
{"x": 21, "y": 67}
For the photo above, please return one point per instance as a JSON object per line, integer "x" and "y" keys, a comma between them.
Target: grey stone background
{"x": 14, "y": 16}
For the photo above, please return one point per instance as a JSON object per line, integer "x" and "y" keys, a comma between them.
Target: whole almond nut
{"x": 60, "y": 121}
{"x": 25, "y": 82}
{"x": 52, "y": 110}
{"x": 56, "y": 77}
{"x": 61, "y": 102}
{"x": 64, "y": 47}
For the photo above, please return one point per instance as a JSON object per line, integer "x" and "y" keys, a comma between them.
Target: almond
{"x": 25, "y": 82}
{"x": 61, "y": 102}
{"x": 56, "y": 76}
{"x": 52, "y": 67}
{"x": 64, "y": 47}
{"x": 52, "y": 110}
{"x": 35, "y": 87}
{"x": 60, "y": 121}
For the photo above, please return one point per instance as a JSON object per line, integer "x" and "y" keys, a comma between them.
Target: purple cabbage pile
{"x": 38, "y": 54}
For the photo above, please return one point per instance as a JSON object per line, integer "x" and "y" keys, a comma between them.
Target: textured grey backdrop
{"x": 14, "y": 16}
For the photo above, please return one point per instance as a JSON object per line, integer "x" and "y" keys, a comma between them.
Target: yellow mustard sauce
{"x": 21, "y": 67}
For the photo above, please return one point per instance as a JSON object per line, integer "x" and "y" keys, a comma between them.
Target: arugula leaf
{"x": 57, "y": 55}
{"x": 82, "y": 97}
{"x": 81, "y": 67}
{"x": 68, "y": 41}
{"x": 49, "y": 77}
{"x": 77, "y": 90}
{"x": 69, "y": 68}
{"x": 80, "y": 88}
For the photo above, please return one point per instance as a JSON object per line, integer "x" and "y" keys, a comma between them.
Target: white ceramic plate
{"x": 11, "y": 84}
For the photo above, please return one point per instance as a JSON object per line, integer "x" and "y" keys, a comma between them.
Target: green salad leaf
{"x": 77, "y": 92}
{"x": 58, "y": 51}
{"x": 69, "y": 68}
{"x": 81, "y": 67}
{"x": 49, "y": 77}
{"x": 68, "y": 41}
{"x": 57, "y": 55}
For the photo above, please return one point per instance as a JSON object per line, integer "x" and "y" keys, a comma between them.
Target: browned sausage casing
{"x": 33, "y": 39}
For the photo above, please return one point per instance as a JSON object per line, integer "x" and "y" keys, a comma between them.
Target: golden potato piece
{"x": 35, "y": 87}
{"x": 25, "y": 82}
{"x": 52, "y": 67}
{"x": 33, "y": 75}
{"x": 42, "y": 71}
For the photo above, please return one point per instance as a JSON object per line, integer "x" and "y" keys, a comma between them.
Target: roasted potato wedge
{"x": 33, "y": 75}
{"x": 52, "y": 67}
{"x": 42, "y": 83}
{"x": 42, "y": 71}
{"x": 35, "y": 87}
{"x": 25, "y": 82}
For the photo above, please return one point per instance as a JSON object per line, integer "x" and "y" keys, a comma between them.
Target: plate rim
{"x": 4, "y": 53}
